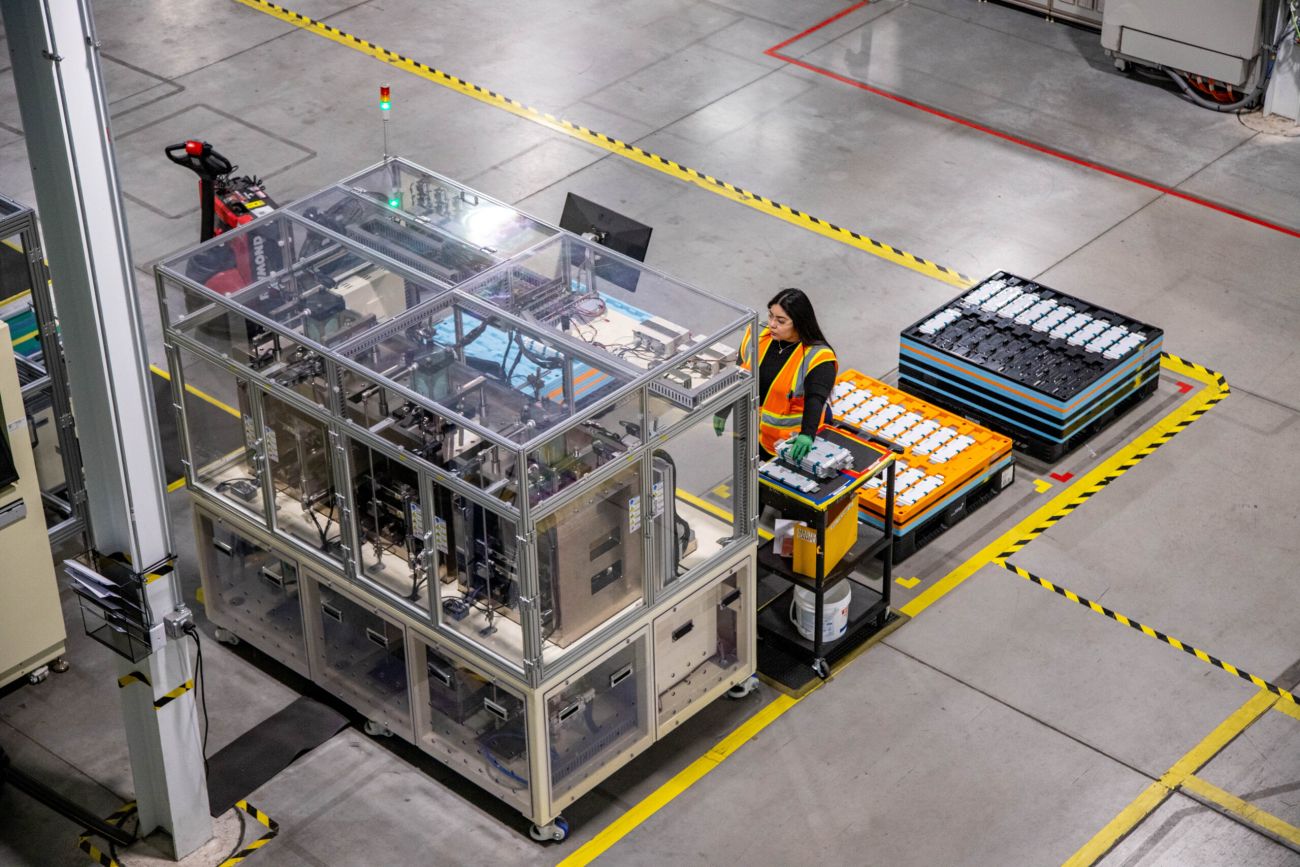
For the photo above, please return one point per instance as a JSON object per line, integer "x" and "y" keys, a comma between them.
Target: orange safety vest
{"x": 782, "y": 411}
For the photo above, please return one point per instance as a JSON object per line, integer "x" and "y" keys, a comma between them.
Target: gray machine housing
{"x": 1218, "y": 39}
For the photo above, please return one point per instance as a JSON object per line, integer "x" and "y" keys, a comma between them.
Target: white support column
{"x": 65, "y": 118}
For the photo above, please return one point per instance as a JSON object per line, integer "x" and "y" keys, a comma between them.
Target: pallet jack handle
{"x": 200, "y": 158}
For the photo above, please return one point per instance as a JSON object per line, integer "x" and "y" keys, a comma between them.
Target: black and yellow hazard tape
{"x": 131, "y": 677}
{"x": 616, "y": 146}
{"x": 118, "y": 817}
{"x": 272, "y": 829}
{"x": 167, "y": 698}
{"x": 1217, "y": 390}
{"x": 1148, "y": 631}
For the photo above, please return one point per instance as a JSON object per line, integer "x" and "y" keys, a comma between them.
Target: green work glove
{"x": 800, "y": 446}
{"x": 719, "y": 424}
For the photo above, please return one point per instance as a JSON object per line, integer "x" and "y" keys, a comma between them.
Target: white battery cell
{"x": 1006, "y": 296}
{"x": 919, "y": 491}
{"x": 1071, "y": 325}
{"x": 878, "y": 480}
{"x": 882, "y": 418}
{"x": 1087, "y": 332}
{"x": 1018, "y": 306}
{"x": 940, "y": 321}
{"x": 902, "y": 482}
{"x": 915, "y": 434}
{"x": 1038, "y": 311}
{"x": 983, "y": 293}
{"x": 1054, "y": 318}
{"x": 934, "y": 440}
{"x": 899, "y": 425}
{"x": 1125, "y": 346}
{"x": 1106, "y": 338}
{"x": 951, "y": 449}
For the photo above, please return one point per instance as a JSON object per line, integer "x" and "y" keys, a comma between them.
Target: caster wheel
{"x": 39, "y": 675}
{"x": 744, "y": 688}
{"x": 59, "y": 666}
{"x": 377, "y": 729}
{"x": 821, "y": 669}
{"x": 226, "y": 637}
{"x": 554, "y": 832}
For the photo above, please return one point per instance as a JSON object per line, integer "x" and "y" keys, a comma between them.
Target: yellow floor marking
{"x": 1289, "y": 708}
{"x": 1250, "y": 814}
{"x": 12, "y": 298}
{"x": 198, "y": 594}
{"x": 23, "y": 338}
{"x": 953, "y": 579}
{"x": 615, "y": 146}
{"x": 207, "y": 398}
{"x": 716, "y": 510}
{"x": 1042, "y": 485}
{"x": 176, "y": 485}
{"x": 909, "y": 583}
{"x": 684, "y": 779}
{"x": 1156, "y": 794}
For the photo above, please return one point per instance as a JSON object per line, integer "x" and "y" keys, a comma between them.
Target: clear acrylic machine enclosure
{"x": 493, "y": 443}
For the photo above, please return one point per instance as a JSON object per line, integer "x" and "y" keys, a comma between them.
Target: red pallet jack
{"x": 226, "y": 203}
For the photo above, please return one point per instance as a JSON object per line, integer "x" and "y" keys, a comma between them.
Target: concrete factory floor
{"x": 1003, "y": 724}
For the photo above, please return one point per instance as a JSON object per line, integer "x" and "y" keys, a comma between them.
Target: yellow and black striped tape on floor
{"x": 1148, "y": 630}
{"x": 1218, "y": 389}
{"x": 616, "y": 146}
{"x": 272, "y": 829}
{"x": 118, "y": 818}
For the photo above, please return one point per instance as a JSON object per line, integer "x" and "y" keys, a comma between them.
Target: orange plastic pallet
{"x": 976, "y": 459}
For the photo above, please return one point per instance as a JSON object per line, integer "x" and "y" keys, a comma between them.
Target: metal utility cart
{"x": 466, "y": 477}
{"x": 835, "y": 498}
{"x": 27, "y": 304}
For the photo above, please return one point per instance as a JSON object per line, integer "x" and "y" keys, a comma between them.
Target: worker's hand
{"x": 800, "y": 447}
{"x": 719, "y": 424}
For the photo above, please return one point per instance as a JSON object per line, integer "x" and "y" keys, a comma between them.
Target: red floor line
{"x": 775, "y": 51}
{"x": 818, "y": 26}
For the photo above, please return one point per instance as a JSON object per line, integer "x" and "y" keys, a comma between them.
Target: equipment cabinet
{"x": 464, "y": 474}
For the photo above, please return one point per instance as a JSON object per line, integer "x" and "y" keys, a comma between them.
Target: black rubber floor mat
{"x": 268, "y": 748}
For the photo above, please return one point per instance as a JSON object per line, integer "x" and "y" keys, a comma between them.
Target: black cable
{"x": 239, "y": 844}
{"x": 193, "y": 632}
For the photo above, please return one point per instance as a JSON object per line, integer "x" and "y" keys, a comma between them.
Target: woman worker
{"x": 796, "y": 373}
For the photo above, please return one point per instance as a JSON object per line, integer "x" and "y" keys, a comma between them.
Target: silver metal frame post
{"x": 65, "y": 117}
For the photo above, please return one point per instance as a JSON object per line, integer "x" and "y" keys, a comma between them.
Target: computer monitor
{"x": 609, "y": 229}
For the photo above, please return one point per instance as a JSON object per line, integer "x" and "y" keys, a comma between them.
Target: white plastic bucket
{"x": 835, "y": 611}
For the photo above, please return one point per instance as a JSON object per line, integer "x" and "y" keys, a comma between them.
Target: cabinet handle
{"x": 441, "y": 675}
{"x": 331, "y": 612}
{"x": 377, "y": 637}
{"x": 568, "y": 711}
{"x": 223, "y": 547}
{"x": 730, "y": 598}
{"x": 619, "y": 676}
{"x": 277, "y": 580}
{"x": 499, "y": 711}
{"x": 679, "y": 633}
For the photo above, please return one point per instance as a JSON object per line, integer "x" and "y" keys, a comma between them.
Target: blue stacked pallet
{"x": 1042, "y": 367}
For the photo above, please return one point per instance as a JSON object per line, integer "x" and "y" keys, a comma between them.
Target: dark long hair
{"x": 800, "y": 310}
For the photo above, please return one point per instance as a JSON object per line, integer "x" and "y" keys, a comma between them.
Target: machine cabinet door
{"x": 253, "y": 592}
{"x": 598, "y": 719}
{"x": 702, "y": 647}
{"x": 476, "y": 725}
{"x": 363, "y": 659}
